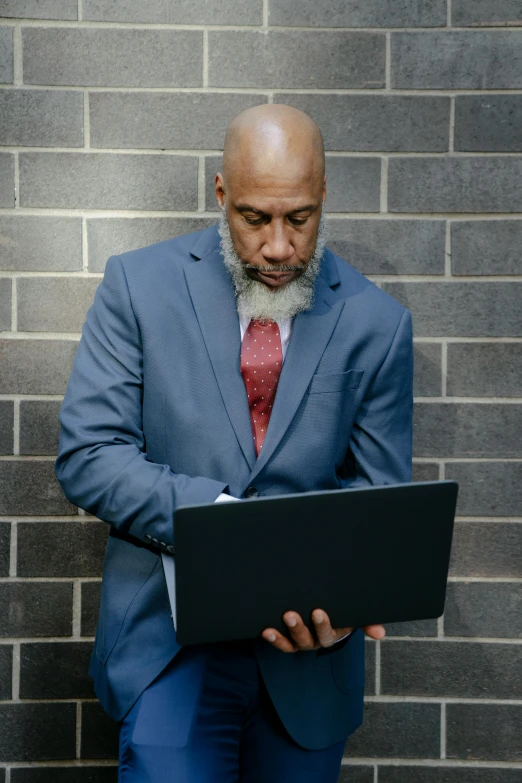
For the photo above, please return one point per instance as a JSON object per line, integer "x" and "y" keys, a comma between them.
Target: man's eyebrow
{"x": 248, "y": 208}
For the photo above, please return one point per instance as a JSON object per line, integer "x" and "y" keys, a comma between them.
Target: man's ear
{"x": 220, "y": 190}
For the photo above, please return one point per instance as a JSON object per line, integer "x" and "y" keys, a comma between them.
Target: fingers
{"x": 301, "y": 636}
{"x": 279, "y": 641}
{"x": 327, "y": 635}
{"x": 375, "y": 631}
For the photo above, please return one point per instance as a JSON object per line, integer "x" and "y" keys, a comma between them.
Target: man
{"x": 242, "y": 360}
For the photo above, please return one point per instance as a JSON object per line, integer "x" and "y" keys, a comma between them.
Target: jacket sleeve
{"x": 380, "y": 450}
{"x": 102, "y": 464}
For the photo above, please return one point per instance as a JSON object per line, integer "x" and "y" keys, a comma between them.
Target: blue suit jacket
{"x": 156, "y": 416}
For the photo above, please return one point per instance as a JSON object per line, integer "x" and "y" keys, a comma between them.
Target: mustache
{"x": 277, "y": 268}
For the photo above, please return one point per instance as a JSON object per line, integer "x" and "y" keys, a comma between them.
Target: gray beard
{"x": 258, "y": 301}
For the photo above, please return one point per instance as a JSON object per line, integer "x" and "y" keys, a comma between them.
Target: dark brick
{"x": 55, "y": 671}
{"x": 405, "y": 730}
{"x": 484, "y": 731}
{"x": 484, "y": 369}
{"x": 35, "y": 9}
{"x": 37, "y": 297}
{"x": 467, "y": 430}
{"x": 164, "y": 120}
{"x": 35, "y": 609}
{"x": 30, "y": 487}
{"x": 7, "y": 189}
{"x": 416, "y": 628}
{"x": 41, "y": 118}
{"x": 487, "y": 549}
{"x": 71, "y": 180}
{"x": 6, "y": 287}
{"x": 425, "y": 471}
{"x": 61, "y": 549}
{"x": 90, "y": 774}
{"x": 6, "y": 55}
{"x": 110, "y": 236}
{"x": 39, "y": 426}
{"x": 99, "y": 733}
{"x": 461, "y": 184}
{"x": 293, "y": 58}
{"x": 447, "y": 774}
{"x": 475, "y": 60}
{"x": 451, "y": 669}
{"x": 35, "y": 366}
{"x": 486, "y": 247}
{"x": 428, "y": 371}
{"x": 369, "y": 660}
{"x": 467, "y": 13}
{"x": 112, "y": 58}
{"x": 40, "y": 244}
{"x": 6, "y": 426}
{"x": 225, "y": 12}
{"x": 6, "y": 671}
{"x": 390, "y": 247}
{"x": 354, "y": 774}
{"x": 5, "y": 543}
{"x": 91, "y": 592}
{"x": 488, "y": 123}
{"x": 368, "y": 123}
{"x": 458, "y": 309}
{"x": 491, "y": 489}
{"x": 37, "y": 732}
{"x": 371, "y": 13}
{"x": 484, "y": 609}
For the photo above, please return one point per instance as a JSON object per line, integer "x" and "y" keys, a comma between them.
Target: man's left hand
{"x": 302, "y": 639}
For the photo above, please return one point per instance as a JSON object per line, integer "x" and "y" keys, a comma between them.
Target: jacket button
{"x": 251, "y": 492}
{"x": 170, "y": 549}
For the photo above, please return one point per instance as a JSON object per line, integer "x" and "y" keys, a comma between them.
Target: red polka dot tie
{"x": 261, "y": 362}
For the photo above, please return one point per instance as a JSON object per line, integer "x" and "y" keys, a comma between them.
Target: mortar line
{"x": 440, "y": 763}
{"x": 78, "y": 730}
{"x": 443, "y": 730}
{"x": 7, "y": 775}
{"x": 387, "y": 66}
{"x": 377, "y": 668}
{"x": 440, "y": 627}
{"x": 205, "y": 57}
{"x": 80, "y": 10}
{"x": 201, "y": 184}
{"x": 86, "y": 121}
{"x": 384, "y": 186}
{"x": 16, "y": 427}
{"x": 16, "y": 672}
{"x": 444, "y": 368}
{"x": 447, "y": 250}
{"x": 449, "y": 14}
{"x": 13, "y": 550}
{"x": 76, "y": 610}
{"x": 16, "y": 181}
{"x": 451, "y": 145}
{"x": 18, "y": 77}
{"x": 14, "y": 307}
{"x": 375, "y": 774}
{"x": 85, "y": 248}
{"x": 265, "y": 15}
{"x": 442, "y": 471}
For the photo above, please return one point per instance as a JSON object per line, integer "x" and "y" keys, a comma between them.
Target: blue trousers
{"x": 207, "y": 718}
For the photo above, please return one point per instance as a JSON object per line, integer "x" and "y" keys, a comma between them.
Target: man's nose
{"x": 277, "y": 247}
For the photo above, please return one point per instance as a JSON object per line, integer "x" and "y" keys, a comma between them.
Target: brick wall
{"x": 112, "y": 116}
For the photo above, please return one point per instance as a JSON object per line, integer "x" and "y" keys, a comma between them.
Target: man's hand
{"x": 302, "y": 639}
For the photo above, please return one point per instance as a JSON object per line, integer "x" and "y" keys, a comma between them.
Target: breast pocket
{"x": 330, "y": 383}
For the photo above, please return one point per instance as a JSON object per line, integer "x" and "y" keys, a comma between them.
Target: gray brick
{"x": 484, "y": 731}
{"x": 6, "y": 287}
{"x": 72, "y": 180}
{"x": 484, "y": 609}
{"x": 35, "y": 609}
{"x": 91, "y": 592}
{"x": 164, "y": 120}
{"x": 99, "y": 739}
{"x": 6, "y": 671}
{"x": 35, "y": 9}
{"x": 491, "y": 489}
{"x": 461, "y": 309}
{"x": 467, "y": 430}
{"x": 463, "y": 184}
{"x": 354, "y": 774}
{"x": 488, "y": 123}
{"x": 488, "y": 247}
{"x": 425, "y": 471}
{"x": 6, "y": 55}
{"x": 296, "y": 59}
{"x": 5, "y": 540}
{"x": 366, "y": 123}
{"x": 417, "y": 628}
{"x": 445, "y": 774}
{"x": 390, "y": 247}
{"x": 41, "y": 118}
{"x": 485, "y": 369}
{"x": 37, "y": 298}
{"x": 88, "y": 774}
{"x": 110, "y": 236}
{"x": 475, "y": 60}
{"x": 226, "y": 12}
{"x": 35, "y": 366}
{"x": 56, "y": 670}
{"x": 406, "y": 730}
{"x": 61, "y": 549}
{"x": 30, "y": 487}
{"x": 113, "y": 58}
{"x": 37, "y": 732}
{"x": 451, "y": 669}
{"x": 39, "y": 427}
{"x": 371, "y": 13}
{"x": 40, "y": 244}
{"x": 7, "y": 191}
{"x": 6, "y": 426}
{"x": 487, "y": 549}
{"x": 468, "y": 13}
{"x": 428, "y": 370}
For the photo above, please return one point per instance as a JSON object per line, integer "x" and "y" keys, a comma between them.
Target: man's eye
{"x": 298, "y": 221}
{"x": 253, "y": 221}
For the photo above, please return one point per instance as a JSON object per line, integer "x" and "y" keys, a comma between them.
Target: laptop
{"x": 365, "y": 556}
